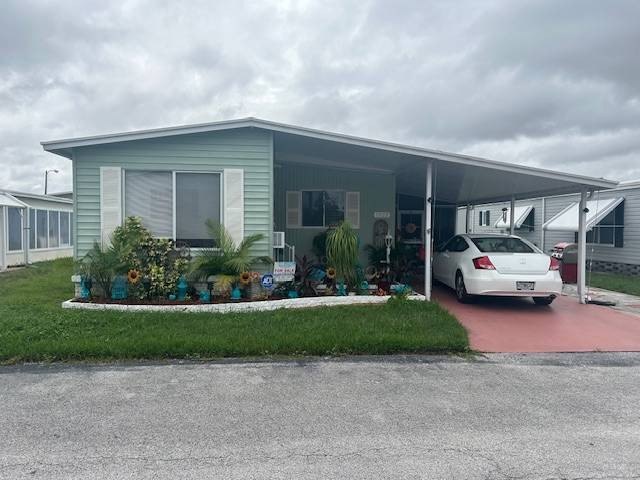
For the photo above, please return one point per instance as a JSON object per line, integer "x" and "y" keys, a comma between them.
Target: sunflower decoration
{"x": 133, "y": 276}
{"x": 331, "y": 273}
{"x": 245, "y": 278}
{"x": 255, "y": 277}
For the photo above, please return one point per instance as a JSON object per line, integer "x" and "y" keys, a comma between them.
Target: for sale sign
{"x": 284, "y": 271}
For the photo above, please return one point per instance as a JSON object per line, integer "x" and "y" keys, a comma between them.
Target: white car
{"x": 493, "y": 264}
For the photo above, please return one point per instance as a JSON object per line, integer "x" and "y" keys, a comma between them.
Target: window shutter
{"x": 480, "y": 219}
{"x": 294, "y": 209}
{"x": 234, "y": 203}
{"x": 110, "y": 202}
{"x": 352, "y": 209}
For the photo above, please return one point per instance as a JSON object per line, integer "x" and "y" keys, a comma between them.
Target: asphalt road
{"x": 543, "y": 416}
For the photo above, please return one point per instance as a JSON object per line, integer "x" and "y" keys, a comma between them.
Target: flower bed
{"x": 139, "y": 270}
{"x": 242, "y": 306}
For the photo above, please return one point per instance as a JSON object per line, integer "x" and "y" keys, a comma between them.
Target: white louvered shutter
{"x": 234, "y": 203}
{"x": 352, "y": 209}
{"x": 294, "y": 209}
{"x": 110, "y": 202}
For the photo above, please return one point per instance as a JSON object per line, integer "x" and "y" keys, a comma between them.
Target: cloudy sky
{"x": 545, "y": 83}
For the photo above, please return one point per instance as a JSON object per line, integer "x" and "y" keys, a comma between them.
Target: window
{"x": 149, "y": 195}
{"x": 501, "y": 244}
{"x": 32, "y": 228}
{"x": 197, "y": 200}
{"x": 14, "y": 221}
{"x": 54, "y": 232}
{"x": 609, "y": 231}
{"x": 322, "y": 208}
{"x": 64, "y": 229}
{"x": 49, "y": 229}
{"x": 484, "y": 218}
{"x": 42, "y": 229}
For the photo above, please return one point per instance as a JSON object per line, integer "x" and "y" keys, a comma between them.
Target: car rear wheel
{"x": 543, "y": 300}
{"x": 461, "y": 290}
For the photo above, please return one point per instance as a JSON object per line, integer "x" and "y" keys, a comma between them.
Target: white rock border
{"x": 259, "y": 306}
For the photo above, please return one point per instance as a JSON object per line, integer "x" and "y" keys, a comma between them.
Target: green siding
{"x": 377, "y": 194}
{"x": 248, "y": 149}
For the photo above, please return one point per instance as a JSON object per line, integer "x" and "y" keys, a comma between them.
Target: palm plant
{"x": 226, "y": 260}
{"x": 102, "y": 265}
{"x": 342, "y": 251}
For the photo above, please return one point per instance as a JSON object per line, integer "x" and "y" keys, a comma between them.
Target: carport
{"x": 441, "y": 178}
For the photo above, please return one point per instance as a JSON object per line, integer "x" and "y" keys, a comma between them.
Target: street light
{"x": 46, "y": 178}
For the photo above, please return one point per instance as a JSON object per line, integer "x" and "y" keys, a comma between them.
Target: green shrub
{"x": 342, "y": 252}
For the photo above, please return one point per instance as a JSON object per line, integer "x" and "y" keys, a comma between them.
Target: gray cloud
{"x": 553, "y": 84}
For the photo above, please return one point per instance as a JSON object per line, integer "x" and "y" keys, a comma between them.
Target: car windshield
{"x": 501, "y": 244}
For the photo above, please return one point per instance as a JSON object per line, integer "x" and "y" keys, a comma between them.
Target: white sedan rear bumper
{"x": 490, "y": 282}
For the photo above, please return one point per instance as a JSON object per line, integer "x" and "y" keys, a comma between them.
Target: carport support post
{"x": 428, "y": 220}
{"x": 512, "y": 216}
{"x": 582, "y": 247}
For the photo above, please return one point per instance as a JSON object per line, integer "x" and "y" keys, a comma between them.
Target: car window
{"x": 448, "y": 247}
{"x": 460, "y": 245}
{"x": 501, "y": 245}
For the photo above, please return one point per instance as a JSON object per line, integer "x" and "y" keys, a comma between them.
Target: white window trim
{"x": 219, "y": 172}
{"x": 324, "y": 226}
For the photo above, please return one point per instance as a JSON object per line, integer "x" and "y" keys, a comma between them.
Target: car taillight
{"x": 483, "y": 263}
{"x": 555, "y": 264}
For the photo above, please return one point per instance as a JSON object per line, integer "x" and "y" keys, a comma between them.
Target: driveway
{"x": 517, "y": 325}
{"x": 499, "y": 417}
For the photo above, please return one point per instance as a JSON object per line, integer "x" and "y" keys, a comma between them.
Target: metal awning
{"x": 521, "y": 214}
{"x": 567, "y": 219}
{"x": 8, "y": 200}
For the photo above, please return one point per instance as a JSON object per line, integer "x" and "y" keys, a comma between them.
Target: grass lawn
{"x": 34, "y": 327}
{"x": 615, "y": 282}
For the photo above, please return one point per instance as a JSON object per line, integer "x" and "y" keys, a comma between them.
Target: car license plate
{"x": 525, "y": 285}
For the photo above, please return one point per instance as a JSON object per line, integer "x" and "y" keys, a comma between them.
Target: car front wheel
{"x": 461, "y": 290}
{"x": 543, "y": 300}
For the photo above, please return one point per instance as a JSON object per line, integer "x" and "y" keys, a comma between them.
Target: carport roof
{"x": 459, "y": 178}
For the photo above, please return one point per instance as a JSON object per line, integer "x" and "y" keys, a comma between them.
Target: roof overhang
{"x": 567, "y": 219}
{"x": 8, "y": 200}
{"x": 474, "y": 179}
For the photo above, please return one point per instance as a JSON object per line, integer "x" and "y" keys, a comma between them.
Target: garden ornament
{"x": 205, "y": 296}
{"x": 236, "y": 294}
{"x": 182, "y": 288}
{"x": 341, "y": 289}
{"x": 85, "y": 287}
{"x": 119, "y": 288}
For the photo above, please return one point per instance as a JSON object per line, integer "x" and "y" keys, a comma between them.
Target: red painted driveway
{"x": 517, "y": 325}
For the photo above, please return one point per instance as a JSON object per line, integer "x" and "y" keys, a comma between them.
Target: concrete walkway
{"x": 531, "y": 417}
{"x": 518, "y": 325}
{"x": 623, "y": 302}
